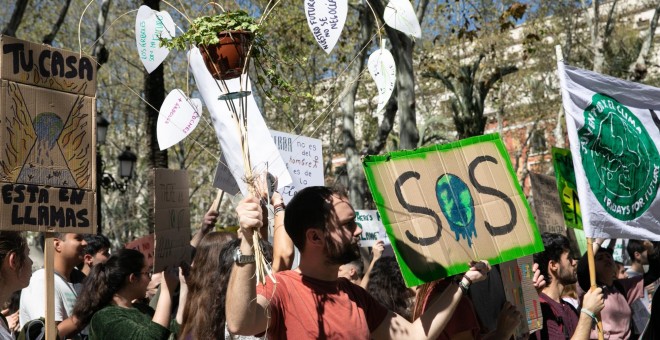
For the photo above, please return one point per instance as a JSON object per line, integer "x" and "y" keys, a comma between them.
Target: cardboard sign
{"x": 48, "y": 158}
{"x": 263, "y": 153}
{"x": 370, "y": 223}
{"x": 519, "y": 289}
{"x": 565, "y": 174}
{"x": 304, "y": 161}
{"x": 172, "y": 215}
{"x": 446, "y": 205}
{"x": 383, "y": 70}
{"x": 326, "y": 20}
{"x": 547, "y": 208}
{"x": 145, "y": 245}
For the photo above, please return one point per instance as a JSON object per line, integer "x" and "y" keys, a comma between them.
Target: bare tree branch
{"x": 48, "y": 39}
{"x": 16, "y": 18}
{"x": 638, "y": 69}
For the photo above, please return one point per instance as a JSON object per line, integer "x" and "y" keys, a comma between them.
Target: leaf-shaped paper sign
{"x": 383, "y": 70}
{"x": 178, "y": 117}
{"x": 326, "y": 19}
{"x": 149, "y": 27}
{"x": 400, "y": 15}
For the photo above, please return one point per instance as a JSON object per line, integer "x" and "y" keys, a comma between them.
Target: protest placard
{"x": 517, "y": 276}
{"x": 546, "y": 205}
{"x": 446, "y": 205}
{"x": 304, "y": 160}
{"x": 370, "y": 223}
{"x": 145, "y": 245}
{"x": 562, "y": 161}
{"x": 172, "y": 217}
{"x": 47, "y": 137}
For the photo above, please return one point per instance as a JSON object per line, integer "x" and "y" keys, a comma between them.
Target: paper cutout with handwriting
{"x": 383, "y": 71}
{"x": 326, "y": 20}
{"x": 178, "y": 117}
{"x": 400, "y": 15}
{"x": 150, "y": 26}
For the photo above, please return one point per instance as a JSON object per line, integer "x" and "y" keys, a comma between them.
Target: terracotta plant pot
{"x": 225, "y": 60}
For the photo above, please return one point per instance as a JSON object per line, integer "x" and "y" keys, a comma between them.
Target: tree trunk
{"x": 638, "y": 69}
{"x": 356, "y": 180}
{"x": 16, "y": 18}
{"x": 48, "y": 39}
{"x": 154, "y": 94}
{"x": 100, "y": 52}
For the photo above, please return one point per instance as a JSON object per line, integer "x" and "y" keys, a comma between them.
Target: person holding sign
{"x": 311, "y": 301}
{"x": 560, "y": 319}
{"x": 106, "y": 300}
{"x": 15, "y": 271}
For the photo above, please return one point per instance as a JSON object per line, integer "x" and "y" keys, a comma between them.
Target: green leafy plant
{"x": 204, "y": 30}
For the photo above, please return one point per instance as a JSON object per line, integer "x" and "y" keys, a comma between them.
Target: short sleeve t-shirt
{"x": 559, "y": 319}
{"x": 307, "y": 308}
{"x": 32, "y": 304}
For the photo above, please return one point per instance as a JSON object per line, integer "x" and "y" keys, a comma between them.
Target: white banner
{"x": 614, "y": 132}
{"x": 263, "y": 153}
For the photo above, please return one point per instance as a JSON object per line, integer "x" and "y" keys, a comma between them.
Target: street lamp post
{"x": 104, "y": 180}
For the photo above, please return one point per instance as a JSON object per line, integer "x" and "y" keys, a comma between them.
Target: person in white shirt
{"x": 68, "y": 253}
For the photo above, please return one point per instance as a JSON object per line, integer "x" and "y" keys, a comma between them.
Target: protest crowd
{"x": 328, "y": 294}
{"x": 458, "y": 253}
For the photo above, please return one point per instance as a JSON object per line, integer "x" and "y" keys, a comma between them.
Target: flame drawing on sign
{"x": 49, "y": 150}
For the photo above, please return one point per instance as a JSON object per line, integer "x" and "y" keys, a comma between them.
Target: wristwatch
{"x": 239, "y": 258}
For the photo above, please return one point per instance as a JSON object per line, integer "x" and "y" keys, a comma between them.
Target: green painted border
{"x": 410, "y": 278}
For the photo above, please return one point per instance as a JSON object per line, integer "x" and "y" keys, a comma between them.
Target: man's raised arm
{"x": 244, "y": 310}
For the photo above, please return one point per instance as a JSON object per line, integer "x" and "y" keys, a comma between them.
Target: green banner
{"x": 445, "y": 205}
{"x": 565, "y": 174}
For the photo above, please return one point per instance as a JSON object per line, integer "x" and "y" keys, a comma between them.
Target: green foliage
{"x": 204, "y": 30}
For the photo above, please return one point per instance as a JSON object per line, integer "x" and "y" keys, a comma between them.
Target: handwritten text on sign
{"x": 326, "y": 19}
{"x": 370, "y": 223}
{"x": 172, "y": 216}
{"x": 35, "y": 208}
{"x": 150, "y": 26}
{"x": 304, "y": 160}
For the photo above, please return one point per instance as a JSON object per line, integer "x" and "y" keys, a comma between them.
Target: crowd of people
{"x": 333, "y": 292}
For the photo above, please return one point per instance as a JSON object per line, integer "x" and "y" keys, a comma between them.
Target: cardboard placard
{"x": 546, "y": 205}
{"x": 370, "y": 223}
{"x": 172, "y": 217}
{"x": 567, "y": 187}
{"x": 145, "y": 245}
{"x": 519, "y": 289}
{"x": 46, "y": 66}
{"x": 304, "y": 161}
{"x": 446, "y": 205}
{"x": 47, "y": 138}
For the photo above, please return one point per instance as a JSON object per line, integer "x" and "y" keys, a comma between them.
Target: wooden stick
{"x": 218, "y": 199}
{"x": 592, "y": 279}
{"x": 49, "y": 252}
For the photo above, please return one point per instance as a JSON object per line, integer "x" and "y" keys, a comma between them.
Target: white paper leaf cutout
{"x": 400, "y": 15}
{"x": 383, "y": 71}
{"x": 326, "y": 20}
{"x": 178, "y": 117}
{"x": 149, "y": 27}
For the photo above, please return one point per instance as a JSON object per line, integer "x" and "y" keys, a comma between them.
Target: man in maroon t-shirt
{"x": 560, "y": 319}
{"x": 311, "y": 302}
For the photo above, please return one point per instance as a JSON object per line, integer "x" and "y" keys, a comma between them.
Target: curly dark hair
{"x": 204, "y": 312}
{"x": 104, "y": 280}
{"x": 555, "y": 245}
{"x": 386, "y": 286}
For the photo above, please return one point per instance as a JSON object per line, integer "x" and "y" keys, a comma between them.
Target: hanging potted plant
{"x": 224, "y": 41}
